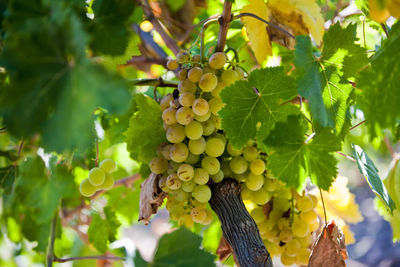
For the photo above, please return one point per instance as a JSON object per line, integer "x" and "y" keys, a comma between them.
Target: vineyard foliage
{"x": 81, "y": 81}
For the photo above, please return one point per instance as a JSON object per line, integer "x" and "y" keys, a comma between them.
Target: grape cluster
{"x": 100, "y": 178}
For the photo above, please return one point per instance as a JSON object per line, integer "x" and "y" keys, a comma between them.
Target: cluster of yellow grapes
{"x": 100, "y": 178}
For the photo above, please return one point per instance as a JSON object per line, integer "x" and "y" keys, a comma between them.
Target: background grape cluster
{"x": 100, "y": 178}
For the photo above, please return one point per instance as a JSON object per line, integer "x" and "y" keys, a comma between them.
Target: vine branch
{"x": 98, "y": 257}
{"x": 50, "y": 249}
{"x": 224, "y": 21}
{"x": 159, "y": 82}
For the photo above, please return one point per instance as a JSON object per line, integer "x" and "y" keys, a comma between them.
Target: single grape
{"x": 194, "y": 130}
{"x": 300, "y": 228}
{"x": 233, "y": 151}
{"x": 292, "y": 247}
{"x": 96, "y": 176}
{"x": 184, "y": 115}
{"x": 211, "y": 165}
{"x": 272, "y": 185}
{"x": 186, "y": 86}
{"x": 173, "y": 182}
{"x": 217, "y": 60}
{"x": 164, "y": 103}
{"x": 162, "y": 184}
{"x": 246, "y": 193}
{"x": 195, "y": 74}
{"x": 165, "y": 151}
{"x": 198, "y": 214}
{"x": 257, "y": 166}
{"x": 208, "y": 127}
{"x": 282, "y": 204}
{"x": 241, "y": 178}
{"x": 254, "y": 182}
{"x": 208, "y": 82}
{"x": 238, "y": 165}
{"x": 169, "y": 116}
{"x": 218, "y": 177}
{"x": 220, "y": 137}
{"x": 185, "y": 172}
{"x": 304, "y": 203}
{"x": 261, "y": 196}
{"x": 158, "y": 165}
{"x": 203, "y": 118}
{"x": 172, "y": 64}
{"x": 250, "y": 153}
{"x": 202, "y": 193}
{"x": 86, "y": 188}
{"x": 208, "y": 219}
{"x": 197, "y": 146}
{"x": 182, "y": 74}
{"x": 192, "y": 159}
{"x": 188, "y": 186}
{"x": 309, "y": 216}
{"x": 200, "y": 107}
{"x": 274, "y": 217}
{"x": 229, "y": 77}
{"x": 201, "y": 176}
{"x": 215, "y": 105}
{"x": 196, "y": 58}
{"x": 286, "y": 235}
{"x": 186, "y": 99}
{"x": 183, "y": 57}
{"x": 305, "y": 241}
{"x": 175, "y": 133}
{"x": 179, "y": 152}
{"x": 181, "y": 195}
{"x": 283, "y": 223}
{"x": 215, "y": 147}
{"x": 108, "y": 165}
{"x": 258, "y": 215}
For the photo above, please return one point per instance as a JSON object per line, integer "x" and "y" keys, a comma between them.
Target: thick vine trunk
{"x": 238, "y": 227}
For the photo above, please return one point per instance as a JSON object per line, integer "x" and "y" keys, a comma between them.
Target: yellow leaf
{"x": 303, "y": 16}
{"x": 257, "y": 30}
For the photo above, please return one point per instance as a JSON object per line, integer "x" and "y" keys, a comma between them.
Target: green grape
{"x": 241, "y": 177}
{"x": 107, "y": 165}
{"x": 194, "y": 130}
{"x": 186, "y": 220}
{"x": 182, "y": 74}
{"x": 305, "y": 203}
{"x": 287, "y": 260}
{"x": 283, "y": 223}
{"x": 314, "y": 225}
{"x": 220, "y": 137}
{"x": 184, "y": 115}
{"x": 186, "y": 99}
{"x": 172, "y": 167}
{"x": 181, "y": 195}
{"x": 229, "y": 77}
{"x": 183, "y": 57}
{"x": 286, "y": 235}
{"x": 203, "y": 118}
{"x": 172, "y": 64}
{"x": 300, "y": 228}
{"x": 215, "y": 105}
{"x": 254, "y": 182}
{"x": 208, "y": 69}
{"x": 185, "y": 172}
{"x": 281, "y": 204}
{"x": 96, "y": 176}
{"x": 200, "y": 107}
{"x": 192, "y": 159}
{"x": 218, "y": 177}
{"x": 186, "y": 86}
{"x": 195, "y": 74}
{"x": 164, "y": 103}
{"x": 208, "y": 127}
{"x": 175, "y": 133}
{"x": 274, "y": 216}
{"x": 303, "y": 256}
{"x": 211, "y": 165}
{"x": 309, "y": 216}
{"x": 217, "y": 60}
{"x": 202, "y": 193}
{"x": 86, "y": 188}
{"x": 314, "y": 200}
{"x": 226, "y": 169}
{"x": 198, "y": 214}
{"x": 250, "y": 153}
{"x": 215, "y": 147}
{"x": 158, "y": 165}
{"x": 201, "y": 176}
{"x": 169, "y": 116}
{"x": 196, "y": 58}
{"x": 208, "y": 82}
{"x": 174, "y": 104}
{"x": 176, "y": 211}
{"x": 218, "y": 89}
{"x": 257, "y": 166}
{"x": 208, "y": 219}
{"x": 173, "y": 182}
{"x": 246, "y": 193}
{"x": 238, "y": 165}
{"x": 258, "y": 215}
{"x": 272, "y": 185}
{"x": 162, "y": 184}
{"x": 179, "y": 152}
{"x": 197, "y": 146}
{"x": 261, "y": 196}
{"x": 292, "y": 247}
{"x": 233, "y": 151}
{"x": 188, "y": 186}
{"x": 196, "y": 203}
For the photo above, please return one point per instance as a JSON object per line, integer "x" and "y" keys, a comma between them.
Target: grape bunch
{"x": 100, "y": 178}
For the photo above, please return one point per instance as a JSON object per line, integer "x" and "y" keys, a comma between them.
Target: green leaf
{"x": 7, "y": 178}
{"x": 145, "y": 130}
{"x": 181, "y": 248}
{"x": 102, "y": 231}
{"x": 258, "y": 100}
{"x": 370, "y": 172}
{"x": 295, "y": 157}
{"x": 138, "y": 261}
{"x": 380, "y": 85}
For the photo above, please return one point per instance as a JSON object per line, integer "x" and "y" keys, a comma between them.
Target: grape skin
{"x": 96, "y": 176}
{"x": 175, "y": 133}
{"x": 217, "y": 60}
{"x": 202, "y": 193}
{"x": 184, "y": 115}
{"x": 158, "y": 165}
{"x": 201, "y": 176}
{"x": 215, "y": 147}
{"x": 238, "y": 165}
{"x": 208, "y": 82}
{"x": 194, "y": 130}
{"x": 107, "y": 165}
{"x": 179, "y": 152}
{"x": 211, "y": 165}
{"x": 185, "y": 172}
{"x": 197, "y": 146}
{"x": 86, "y": 188}
{"x": 200, "y": 107}
{"x": 195, "y": 74}
{"x": 169, "y": 116}
{"x": 186, "y": 99}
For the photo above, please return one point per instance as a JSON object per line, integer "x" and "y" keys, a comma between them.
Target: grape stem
{"x": 224, "y": 21}
{"x": 98, "y": 257}
{"x": 202, "y": 33}
{"x": 96, "y": 161}
{"x": 50, "y": 249}
{"x": 158, "y": 82}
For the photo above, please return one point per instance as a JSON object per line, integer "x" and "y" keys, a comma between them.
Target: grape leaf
{"x": 260, "y": 99}
{"x": 145, "y": 130}
{"x": 102, "y": 231}
{"x": 380, "y": 85}
{"x": 295, "y": 158}
{"x": 370, "y": 172}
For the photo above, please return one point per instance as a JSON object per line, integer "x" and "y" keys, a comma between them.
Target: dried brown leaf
{"x": 330, "y": 248}
{"x": 224, "y": 251}
{"x": 151, "y": 197}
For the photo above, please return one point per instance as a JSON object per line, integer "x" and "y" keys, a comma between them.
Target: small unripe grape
{"x": 203, "y": 118}
{"x": 172, "y": 64}
{"x": 215, "y": 105}
{"x": 197, "y": 146}
{"x": 200, "y": 107}
{"x": 169, "y": 116}
{"x": 217, "y": 60}
{"x": 173, "y": 182}
{"x": 183, "y": 57}
{"x": 208, "y": 82}
{"x": 185, "y": 172}
{"x": 192, "y": 159}
{"x": 238, "y": 165}
{"x": 211, "y": 165}
{"x": 184, "y": 115}
{"x": 254, "y": 182}
{"x": 175, "y": 133}
{"x": 195, "y": 74}
{"x": 208, "y": 127}
{"x": 233, "y": 151}
{"x": 250, "y": 153}
{"x": 96, "y": 176}
{"x": 229, "y": 77}
{"x": 164, "y": 103}
{"x": 218, "y": 177}
{"x": 158, "y": 165}
{"x": 186, "y": 86}
{"x": 194, "y": 130}
{"x": 108, "y": 165}
{"x": 215, "y": 147}
{"x": 201, "y": 176}
{"x": 261, "y": 196}
{"x": 198, "y": 214}
{"x": 179, "y": 152}
{"x": 257, "y": 166}
{"x": 202, "y": 193}
{"x": 182, "y": 74}
{"x": 86, "y": 188}
{"x": 199, "y": 204}
{"x": 188, "y": 186}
